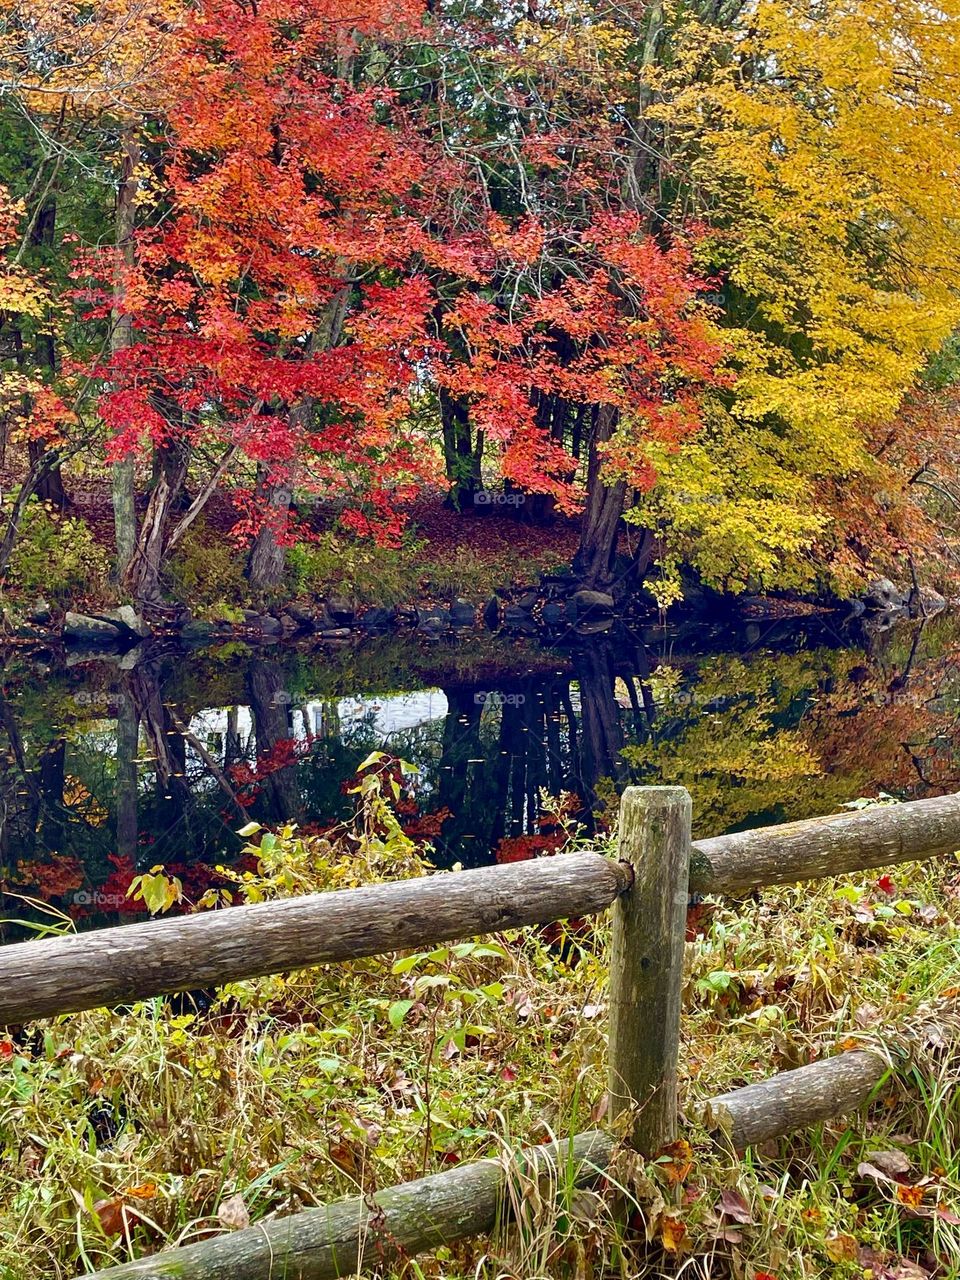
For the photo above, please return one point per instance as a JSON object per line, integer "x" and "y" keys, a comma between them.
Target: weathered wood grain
{"x": 796, "y": 1099}
{"x": 646, "y": 963}
{"x": 350, "y": 1236}
{"x": 132, "y": 962}
{"x": 827, "y": 846}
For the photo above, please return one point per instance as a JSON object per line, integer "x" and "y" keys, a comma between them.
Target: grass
{"x": 129, "y": 1130}
{"x": 449, "y": 565}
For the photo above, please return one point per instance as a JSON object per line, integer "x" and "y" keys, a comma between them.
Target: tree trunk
{"x": 601, "y": 733}
{"x": 50, "y": 486}
{"x": 280, "y": 799}
{"x": 126, "y": 785}
{"x": 461, "y": 457}
{"x": 52, "y": 774}
{"x": 142, "y": 577}
{"x": 596, "y": 554}
{"x": 121, "y": 337}
{"x": 267, "y": 558}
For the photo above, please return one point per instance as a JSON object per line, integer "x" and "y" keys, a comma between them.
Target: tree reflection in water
{"x": 107, "y": 772}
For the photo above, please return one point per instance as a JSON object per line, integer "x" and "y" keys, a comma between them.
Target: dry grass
{"x": 130, "y": 1130}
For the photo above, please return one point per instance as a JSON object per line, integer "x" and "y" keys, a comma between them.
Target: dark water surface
{"x": 107, "y": 771}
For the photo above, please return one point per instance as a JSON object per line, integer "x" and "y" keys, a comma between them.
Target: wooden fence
{"x": 648, "y": 890}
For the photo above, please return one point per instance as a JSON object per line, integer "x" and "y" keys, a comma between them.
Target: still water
{"x": 109, "y": 767}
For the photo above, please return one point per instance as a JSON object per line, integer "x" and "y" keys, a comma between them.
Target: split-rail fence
{"x": 648, "y": 889}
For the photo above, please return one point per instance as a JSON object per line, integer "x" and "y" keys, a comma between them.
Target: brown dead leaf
{"x": 676, "y": 1161}
{"x": 109, "y": 1213}
{"x": 907, "y": 1270}
{"x": 865, "y": 1169}
{"x": 233, "y": 1214}
{"x": 344, "y": 1157}
{"x": 586, "y": 1207}
{"x": 673, "y": 1233}
{"x": 730, "y": 1235}
{"x": 599, "y": 1112}
{"x": 872, "y": 1260}
{"x": 892, "y": 1163}
{"x": 732, "y": 1205}
{"x": 867, "y": 1014}
{"x": 840, "y": 1247}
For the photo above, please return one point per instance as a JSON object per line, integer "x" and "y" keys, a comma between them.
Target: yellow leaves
{"x": 214, "y": 261}
{"x": 100, "y": 56}
{"x": 673, "y": 1234}
{"x": 21, "y": 295}
{"x": 575, "y": 39}
{"x": 823, "y": 148}
{"x": 735, "y": 503}
{"x": 840, "y": 1247}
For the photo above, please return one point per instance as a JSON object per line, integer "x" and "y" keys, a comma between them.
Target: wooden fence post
{"x": 646, "y": 963}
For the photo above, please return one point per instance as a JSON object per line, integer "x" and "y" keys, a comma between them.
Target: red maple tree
{"x": 284, "y": 301}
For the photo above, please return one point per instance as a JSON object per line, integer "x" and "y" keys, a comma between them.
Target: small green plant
{"x": 364, "y": 572}
{"x": 56, "y": 556}
{"x": 207, "y": 572}
{"x": 156, "y": 890}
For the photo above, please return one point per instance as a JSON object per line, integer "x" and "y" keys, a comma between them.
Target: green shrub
{"x": 369, "y": 574}
{"x": 56, "y": 556}
{"x": 364, "y": 572}
{"x": 207, "y": 573}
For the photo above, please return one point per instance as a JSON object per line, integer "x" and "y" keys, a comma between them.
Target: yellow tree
{"x": 819, "y": 142}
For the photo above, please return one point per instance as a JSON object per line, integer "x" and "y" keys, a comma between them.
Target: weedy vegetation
{"x": 126, "y": 1131}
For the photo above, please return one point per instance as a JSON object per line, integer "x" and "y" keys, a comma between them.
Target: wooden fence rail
{"x": 119, "y": 965}
{"x": 793, "y": 1100}
{"x": 115, "y": 966}
{"x": 648, "y": 889}
{"x": 816, "y": 847}
{"x": 347, "y": 1236}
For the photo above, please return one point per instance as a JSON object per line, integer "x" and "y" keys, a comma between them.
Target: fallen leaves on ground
{"x": 233, "y": 1214}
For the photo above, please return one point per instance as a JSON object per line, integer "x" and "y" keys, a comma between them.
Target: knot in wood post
{"x": 646, "y": 963}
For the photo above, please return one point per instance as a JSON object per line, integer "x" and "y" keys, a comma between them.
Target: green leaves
{"x": 158, "y": 891}
{"x": 440, "y": 955}
{"x": 398, "y": 1011}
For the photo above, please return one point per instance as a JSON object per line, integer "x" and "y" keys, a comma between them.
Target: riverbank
{"x": 129, "y": 1131}
{"x": 451, "y": 571}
